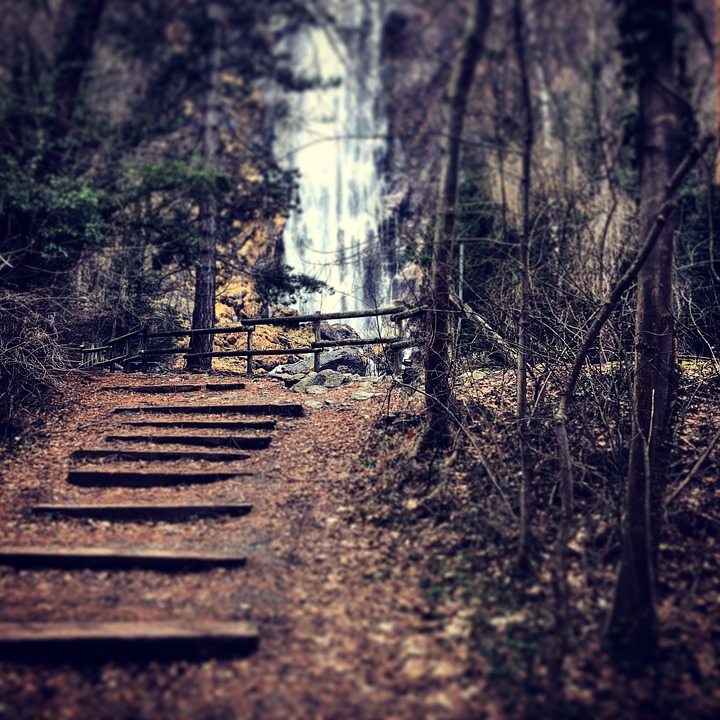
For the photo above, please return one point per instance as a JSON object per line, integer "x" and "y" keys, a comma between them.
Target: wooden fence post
{"x": 250, "y": 361}
{"x": 143, "y": 350}
{"x": 396, "y": 353}
{"x": 318, "y": 338}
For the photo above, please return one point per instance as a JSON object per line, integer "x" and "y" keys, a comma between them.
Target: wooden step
{"x": 222, "y": 387}
{"x": 238, "y": 441}
{"x": 76, "y": 642}
{"x": 114, "y": 559}
{"x": 205, "y": 424}
{"x": 145, "y": 478}
{"x": 176, "y": 388}
{"x": 151, "y": 389}
{"x": 164, "y": 512}
{"x": 289, "y": 410}
{"x": 159, "y": 455}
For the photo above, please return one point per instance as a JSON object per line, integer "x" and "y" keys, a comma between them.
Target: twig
{"x": 483, "y": 461}
{"x": 485, "y": 327}
{"x": 693, "y": 470}
{"x": 623, "y": 284}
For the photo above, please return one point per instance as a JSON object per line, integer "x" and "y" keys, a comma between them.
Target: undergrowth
{"x": 463, "y": 527}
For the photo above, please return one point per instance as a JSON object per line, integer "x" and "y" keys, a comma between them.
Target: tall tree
{"x": 523, "y": 254}
{"x": 716, "y": 12}
{"x": 439, "y": 315}
{"x": 648, "y": 30}
{"x": 204, "y": 308}
{"x": 75, "y": 53}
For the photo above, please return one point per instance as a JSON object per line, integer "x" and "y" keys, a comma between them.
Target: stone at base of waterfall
{"x": 325, "y": 379}
{"x": 333, "y": 378}
{"x": 314, "y": 404}
{"x": 336, "y": 332}
{"x": 316, "y": 390}
{"x": 362, "y": 395}
{"x": 345, "y": 360}
{"x": 299, "y": 368}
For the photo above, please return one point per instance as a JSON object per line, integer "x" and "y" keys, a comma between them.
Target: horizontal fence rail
{"x": 134, "y": 346}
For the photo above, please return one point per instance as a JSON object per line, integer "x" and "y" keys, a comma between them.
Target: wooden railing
{"x": 135, "y": 346}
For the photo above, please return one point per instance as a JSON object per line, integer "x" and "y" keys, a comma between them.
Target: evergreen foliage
{"x": 101, "y": 184}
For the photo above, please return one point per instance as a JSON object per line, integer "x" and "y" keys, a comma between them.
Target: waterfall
{"x": 335, "y": 137}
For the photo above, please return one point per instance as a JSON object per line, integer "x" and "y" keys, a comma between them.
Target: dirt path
{"x": 338, "y": 607}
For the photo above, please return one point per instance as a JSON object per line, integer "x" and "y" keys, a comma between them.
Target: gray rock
{"x": 362, "y": 395}
{"x": 333, "y": 378}
{"x": 345, "y": 331}
{"x": 316, "y": 390}
{"x": 301, "y": 366}
{"x": 309, "y": 380}
{"x": 327, "y": 332}
{"x": 351, "y": 359}
{"x": 315, "y": 404}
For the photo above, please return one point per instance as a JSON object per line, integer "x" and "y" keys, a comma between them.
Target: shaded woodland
{"x": 551, "y": 180}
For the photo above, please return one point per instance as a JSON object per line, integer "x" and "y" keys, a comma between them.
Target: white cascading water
{"x": 335, "y": 137}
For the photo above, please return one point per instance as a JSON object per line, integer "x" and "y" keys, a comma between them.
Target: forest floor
{"x": 382, "y": 587}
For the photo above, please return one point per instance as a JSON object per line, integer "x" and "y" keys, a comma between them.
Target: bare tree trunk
{"x": 439, "y": 321}
{"x": 524, "y": 269}
{"x": 632, "y": 629}
{"x": 74, "y": 55}
{"x": 204, "y": 308}
{"x": 716, "y": 10}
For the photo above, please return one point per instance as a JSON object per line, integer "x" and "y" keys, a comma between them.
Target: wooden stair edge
{"x": 160, "y": 455}
{"x": 171, "y": 388}
{"x": 285, "y": 410}
{"x": 94, "y": 477}
{"x": 203, "y": 424}
{"x": 143, "y": 511}
{"x": 74, "y": 642}
{"x": 26, "y": 557}
{"x": 244, "y": 442}
{"x": 151, "y": 389}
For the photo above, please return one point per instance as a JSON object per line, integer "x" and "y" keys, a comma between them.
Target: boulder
{"x": 332, "y": 378}
{"x": 337, "y": 331}
{"x": 301, "y": 366}
{"x": 327, "y": 332}
{"x": 316, "y": 390}
{"x": 309, "y": 380}
{"x": 319, "y": 383}
{"x": 343, "y": 332}
{"x": 362, "y": 395}
{"x": 345, "y": 360}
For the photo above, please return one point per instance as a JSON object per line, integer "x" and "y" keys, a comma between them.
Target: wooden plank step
{"x": 76, "y": 642}
{"x": 238, "y": 441}
{"x": 113, "y": 558}
{"x": 144, "y": 478}
{"x": 289, "y": 410}
{"x": 222, "y": 387}
{"x": 151, "y": 389}
{"x": 159, "y": 455}
{"x": 164, "y": 512}
{"x": 205, "y": 424}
